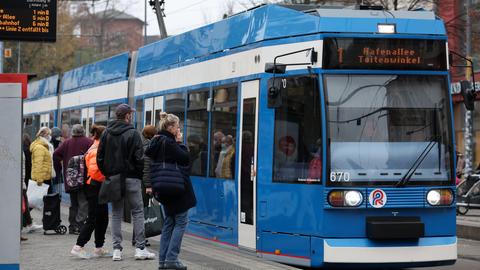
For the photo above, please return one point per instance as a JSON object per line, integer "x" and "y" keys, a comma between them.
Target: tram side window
{"x": 139, "y": 114}
{"x": 298, "y": 132}
{"x": 175, "y": 103}
{"x": 51, "y": 120}
{"x": 111, "y": 114}
{"x": 197, "y": 132}
{"x": 101, "y": 115}
{"x": 28, "y": 126}
{"x": 224, "y": 130}
{"x": 71, "y": 117}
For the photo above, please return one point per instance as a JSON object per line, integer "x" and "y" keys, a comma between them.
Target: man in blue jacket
{"x": 121, "y": 152}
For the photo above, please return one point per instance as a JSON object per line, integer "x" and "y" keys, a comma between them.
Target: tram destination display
{"x": 378, "y": 53}
{"x": 28, "y": 20}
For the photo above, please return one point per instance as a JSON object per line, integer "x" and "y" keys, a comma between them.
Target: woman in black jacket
{"x": 167, "y": 147}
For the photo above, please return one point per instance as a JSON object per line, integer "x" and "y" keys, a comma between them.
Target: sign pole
{"x": 469, "y": 142}
{"x": 1, "y": 57}
{"x": 19, "y": 54}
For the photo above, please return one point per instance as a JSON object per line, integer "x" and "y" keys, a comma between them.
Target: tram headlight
{"x": 345, "y": 198}
{"x": 353, "y": 198}
{"x": 440, "y": 197}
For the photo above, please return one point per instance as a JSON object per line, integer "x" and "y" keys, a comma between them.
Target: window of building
{"x": 298, "y": 132}
{"x": 223, "y": 133}
{"x": 197, "y": 132}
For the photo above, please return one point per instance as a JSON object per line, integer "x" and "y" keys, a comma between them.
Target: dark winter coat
{"x": 174, "y": 153}
{"x": 146, "y": 165}
{"x": 72, "y": 147}
{"x": 120, "y": 151}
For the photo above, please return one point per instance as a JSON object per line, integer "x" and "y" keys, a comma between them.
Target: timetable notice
{"x": 28, "y": 20}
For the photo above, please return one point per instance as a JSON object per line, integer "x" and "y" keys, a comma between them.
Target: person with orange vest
{"x": 97, "y": 213}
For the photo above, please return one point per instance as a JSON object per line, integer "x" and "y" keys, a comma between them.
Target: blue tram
{"x": 317, "y": 137}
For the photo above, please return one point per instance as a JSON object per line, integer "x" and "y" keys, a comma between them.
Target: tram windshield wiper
{"x": 406, "y": 178}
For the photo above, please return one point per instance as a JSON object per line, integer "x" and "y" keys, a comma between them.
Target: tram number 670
{"x": 339, "y": 176}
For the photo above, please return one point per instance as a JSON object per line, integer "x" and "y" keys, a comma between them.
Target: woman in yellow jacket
{"x": 42, "y": 164}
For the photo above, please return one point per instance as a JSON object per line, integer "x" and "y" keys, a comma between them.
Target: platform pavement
{"x": 468, "y": 226}
{"x": 52, "y": 252}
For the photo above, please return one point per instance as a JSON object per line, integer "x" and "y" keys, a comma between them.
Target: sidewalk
{"x": 52, "y": 252}
{"x": 468, "y": 226}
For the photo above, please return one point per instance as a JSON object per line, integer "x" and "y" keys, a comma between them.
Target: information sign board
{"x": 28, "y": 20}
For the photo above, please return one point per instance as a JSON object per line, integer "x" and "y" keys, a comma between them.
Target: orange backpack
{"x": 92, "y": 167}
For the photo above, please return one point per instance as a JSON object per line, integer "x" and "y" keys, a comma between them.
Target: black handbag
{"x": 154, "y": 219}
{"x": 112, "y": 189}
{"x": 167, "y": 179}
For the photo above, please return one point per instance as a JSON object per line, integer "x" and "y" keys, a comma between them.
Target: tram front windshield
{"x": 379, "y": 125}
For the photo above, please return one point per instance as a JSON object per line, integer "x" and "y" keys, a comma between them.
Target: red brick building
{"x": 109, "y": 32}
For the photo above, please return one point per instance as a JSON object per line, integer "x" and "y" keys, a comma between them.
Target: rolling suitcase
{"x": 51, "y": 214}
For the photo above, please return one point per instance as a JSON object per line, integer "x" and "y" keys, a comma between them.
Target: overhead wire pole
{"x": 158, "y": 8}
{"x": 145, "y": 25}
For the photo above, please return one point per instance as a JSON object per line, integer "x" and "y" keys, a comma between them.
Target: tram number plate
{"x": 339, "y": 176}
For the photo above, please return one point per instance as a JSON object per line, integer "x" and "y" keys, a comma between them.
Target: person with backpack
{"x": 97, "y": 213}
{"x": 71, "y": 152}
{"x": 120, "y": 156}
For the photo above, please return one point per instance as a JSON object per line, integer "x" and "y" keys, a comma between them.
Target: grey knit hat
{"x": 78, "y": 130}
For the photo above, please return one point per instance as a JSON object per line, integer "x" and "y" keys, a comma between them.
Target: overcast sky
{"x": 182, "y": 15}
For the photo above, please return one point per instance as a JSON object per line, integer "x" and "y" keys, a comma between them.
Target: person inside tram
{"x": 198, "y": 154}
{"x": 315, "y": 164}
{"x": 226, "y": 160}
{"x": 217, "y": 145}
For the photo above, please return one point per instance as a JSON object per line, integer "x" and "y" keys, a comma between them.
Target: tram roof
{"x": 104, "y": 71}
{"x": 43, "y": 88}
{"x": 270, "y": 22}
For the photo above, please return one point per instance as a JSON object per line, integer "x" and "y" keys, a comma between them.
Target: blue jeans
{"x": 172, "y": 235}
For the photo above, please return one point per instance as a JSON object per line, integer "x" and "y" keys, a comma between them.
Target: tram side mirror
{"x": 468, "y": 95}
{"x": 275, "y": 68}
{"x": 274, "y": 93}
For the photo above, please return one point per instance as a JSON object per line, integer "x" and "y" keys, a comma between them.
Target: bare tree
{"x": 97, "y": 26}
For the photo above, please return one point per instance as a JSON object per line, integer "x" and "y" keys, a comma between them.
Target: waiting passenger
{"x": 147, "y": 134}
{"x": 42, "y": 164}
{"x": 77, "y": 145}
{"x": 121, "y": 152}
{"x": 168, "y": 148}
{"x": 97, "y": 213}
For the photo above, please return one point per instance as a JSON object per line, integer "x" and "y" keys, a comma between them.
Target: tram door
{"x": 247, "y": 165}
{"x": 87, "y": 119}
{"x": 153, "y": 108}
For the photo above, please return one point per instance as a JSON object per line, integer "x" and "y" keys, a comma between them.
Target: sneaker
{"x": 117, "y": 255}
{"x": 32, "y": 227}
{"x": 101, "y": 253}
{"x": 174, "y": 265}
{"x": 79, "y": 252}
{"x": 143, "y": 254}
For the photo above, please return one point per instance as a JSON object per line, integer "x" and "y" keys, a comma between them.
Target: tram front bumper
{"x": 427, "y": 249}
